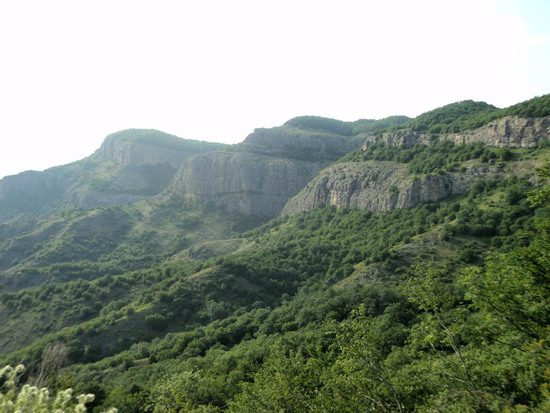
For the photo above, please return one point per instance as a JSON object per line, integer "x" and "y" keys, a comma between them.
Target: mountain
{"x": 129, "y": 166}
{"x": 389, "y": 265}
{"x": 383, "y": 186}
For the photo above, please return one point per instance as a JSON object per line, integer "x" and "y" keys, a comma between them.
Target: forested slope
{"x": 440, "y": 306}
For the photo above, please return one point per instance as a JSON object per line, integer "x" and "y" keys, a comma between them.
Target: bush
{"x": 32, "y": 399}
{"x": 156, "y": 321}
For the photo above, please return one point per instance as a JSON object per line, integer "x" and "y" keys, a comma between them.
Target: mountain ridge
{"x": 399, "y": 278}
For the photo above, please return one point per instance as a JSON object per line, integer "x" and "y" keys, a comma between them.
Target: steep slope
{"x": 108, "y": 213}
{"x": 244, "y": 183}
{"x": 379, "y": 186}
{"x": 262, "y": 173}
{"x": 384, "y": 186}
{"x": 510, "y": 131}
{"x": 286, "y": 298}
{"x": 139, "y": 147}
{"x": 291, "y": 142}
{"x": 129, "y": 166}
{"x": 369, "y": 298}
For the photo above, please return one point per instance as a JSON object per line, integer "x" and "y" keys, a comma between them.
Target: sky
{"x": 72, "y": 72}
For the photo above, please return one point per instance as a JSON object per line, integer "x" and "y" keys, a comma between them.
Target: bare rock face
{"x": 511, "y": 131}
{"x": 28, "y": 192}
{"x": 381, "y": 186}
{"x": 245, "y": 183}
{"x": 399, "y": 138}
{"x": 262, "y": 173}
{"x": 138, "y": 154}
{"x": 28, "y": 186}
{"x": 300, "y": 144}
{"x": 139, "y": 147}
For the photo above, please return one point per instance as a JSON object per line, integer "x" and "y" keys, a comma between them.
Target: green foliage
{"x": 467, "y": 115}
{"x": 374, "y": 126}
{"x": 317, "y": 123}
{"x": 452, "y": 118}
{"x": 537, "y": 107}
{"x": 156, "y": 321}
{"x": 317, "y": 311}
{"x": 440, "y": 157}
{"x": 32, "y": 399}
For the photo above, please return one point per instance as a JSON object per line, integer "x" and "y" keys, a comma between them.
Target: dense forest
{"x": 440, "y": 307}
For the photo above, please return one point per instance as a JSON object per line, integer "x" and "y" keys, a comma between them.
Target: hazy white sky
{"x": 73, "y": 71}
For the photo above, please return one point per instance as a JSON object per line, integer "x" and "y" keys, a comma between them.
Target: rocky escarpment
{"x": 300, "y": 144}
{"x": 139, "y": 147}
{"x": 129, "y": 165}
{"x": 245, "y": 183}
{"x": 29, "y": 192}
{"x": 382, "y": 186}
{"x": 29, "y": 186}
{"x": 262, "y": 173}
{"x": 511, "y": 131}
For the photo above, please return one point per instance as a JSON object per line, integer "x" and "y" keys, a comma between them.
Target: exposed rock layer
{"x": 510, "y": 131}
{"x": 139, "y": 147}
{"x": 299, "y": 144}
{"x": 381, "y": 186}
{"x": 241, "y": 182}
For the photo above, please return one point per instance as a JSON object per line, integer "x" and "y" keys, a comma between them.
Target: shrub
{"x": 156, "y": 321}
{"x": 32, "y": 399}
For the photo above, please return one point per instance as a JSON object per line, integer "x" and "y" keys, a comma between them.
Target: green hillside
{"x": 157, "y": 305}
{"x": 468, "y": 115}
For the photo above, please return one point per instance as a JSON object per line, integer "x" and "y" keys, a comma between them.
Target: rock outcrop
{"x": 139, "y": 147}
{"x": 300, "y": 144}
{"x": 29, "y": 186}
{"x": 511, "y": 131}
{"x": 262, "y": 173}
{"x": 29, "y": 192}
{"x": 249, "y": 184}
{"x": 382, "y": 186}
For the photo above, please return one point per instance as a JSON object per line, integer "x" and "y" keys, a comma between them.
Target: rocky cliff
{"x": 139, "y": 147}
{"x": 382, "y": 186}
{"x": 511, "y": 131}
{"x": 129, "y": 165}
{"x": 249, "y": 184}
{"x": 295, "y": 143}
{"x": 29, "y": 192}
{"x": 262, "y": 173}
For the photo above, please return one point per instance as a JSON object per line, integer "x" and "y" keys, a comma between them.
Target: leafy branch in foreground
{"x": 32, "y": 399}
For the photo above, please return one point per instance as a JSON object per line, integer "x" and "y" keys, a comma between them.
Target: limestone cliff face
{"x": 139, "y": 147}
{"x": 29, "y": 192}
{"x": 245, "y": 183}
{"x": 381, "y": 186}
{"x": 28, "y": 186}
{"x": 137, "y": 154}
{"x": 262, "y": 173}
{"x": 511, "y": 131}
{"x": 299, "y": 144}
{"x": 398, "y": 138}
{"x": 130, "y": 165}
